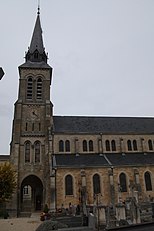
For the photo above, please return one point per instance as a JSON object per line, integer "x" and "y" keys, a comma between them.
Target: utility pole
{"x": 1, "y": 73}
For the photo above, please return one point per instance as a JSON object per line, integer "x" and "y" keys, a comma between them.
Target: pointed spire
{"x": 37, "y": 40}
{"x": 36, "y": 52}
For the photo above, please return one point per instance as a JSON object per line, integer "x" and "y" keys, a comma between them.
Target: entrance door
{"x": 34, "y": 199}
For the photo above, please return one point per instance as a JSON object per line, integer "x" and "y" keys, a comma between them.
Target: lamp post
{"x": 1, "y": 73}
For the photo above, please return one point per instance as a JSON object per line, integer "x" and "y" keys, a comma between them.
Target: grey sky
{"x": 102, "y": 52}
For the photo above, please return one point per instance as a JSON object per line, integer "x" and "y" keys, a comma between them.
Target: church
{"x": 73, "y": 160}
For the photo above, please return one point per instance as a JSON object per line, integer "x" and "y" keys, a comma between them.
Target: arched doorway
{"x": 31, "y": 192}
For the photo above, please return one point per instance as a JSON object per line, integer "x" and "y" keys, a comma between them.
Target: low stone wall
{"x": 77, "y": 229}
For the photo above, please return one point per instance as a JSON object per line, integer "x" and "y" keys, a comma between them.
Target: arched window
{"x": 148, "y": 184}
{"x": 150, "y": 145}
{"x": 25, "y": 190}
{"x": 129, "y": 145}
{"x": 29, "y": 88}
{"x": 113, "y": 145}
{"x": 67, "y": 146}
{"x": 39, "y": 89}
{"x": 61, "y": 146}
{"x": 85, "y": 149}
{"x": 123, "y": 182}
{"x": 96, "y": 184}
{"x": 134, "y": 145}
{"x": 91, "y": 146}
{"x": 37, "y": 147}
{"x": 27, "y": 152}
{"x": 68, "y": 185}
{"x": 107, "y": 143}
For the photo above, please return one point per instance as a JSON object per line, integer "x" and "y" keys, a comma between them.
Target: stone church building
{"x": 63, "y": 160}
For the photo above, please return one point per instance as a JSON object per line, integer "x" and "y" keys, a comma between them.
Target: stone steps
{"x": 35, "y": 215}
{"x": 25, "y": 214}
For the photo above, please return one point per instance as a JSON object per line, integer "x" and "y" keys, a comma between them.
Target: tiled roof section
{"x": 4, "y": 157}
{"x": 131, "y": 159}
{"x": 79, "y": 161}
{"x": 106, "y": 125}
{"x": 30, "y": 64}
{"x": 106, "y": 160}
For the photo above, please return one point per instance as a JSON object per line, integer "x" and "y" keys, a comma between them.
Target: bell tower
{"x": 31, "y": 140}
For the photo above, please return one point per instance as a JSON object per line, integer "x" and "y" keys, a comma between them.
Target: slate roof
{"x": 79, "y": 161}
{"x": 106, "y": 125}
{"x": 37, "y": 40}
{"x": 35, "y": 65}
{"x": 106, "y": 160}
{"x": 4, "y": 157}
{"x": 131, "y": 159}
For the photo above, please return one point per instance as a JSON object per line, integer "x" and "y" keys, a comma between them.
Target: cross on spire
{"x": 38, "y": 9}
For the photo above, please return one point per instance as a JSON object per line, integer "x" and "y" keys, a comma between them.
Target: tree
{"x": 7, "y": 181}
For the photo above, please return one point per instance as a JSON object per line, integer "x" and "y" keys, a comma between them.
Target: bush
{"x": 46, "y": 209}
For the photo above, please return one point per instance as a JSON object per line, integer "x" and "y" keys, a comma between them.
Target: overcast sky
{"x": 102, "y": 53}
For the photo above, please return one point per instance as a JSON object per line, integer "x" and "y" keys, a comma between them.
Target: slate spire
{"x": 36, "y": 51}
